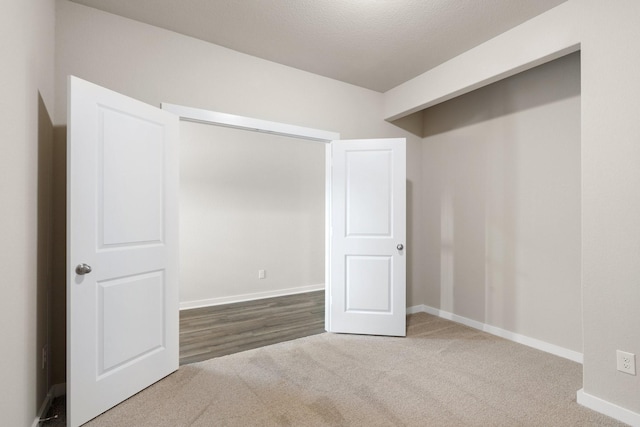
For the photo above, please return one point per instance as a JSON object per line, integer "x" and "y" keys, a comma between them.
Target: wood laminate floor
{"x": 216, "y": 331}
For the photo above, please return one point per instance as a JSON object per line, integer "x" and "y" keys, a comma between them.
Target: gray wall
{"x": 610, "y": 196}
{"x": 501, "y": 204}
{"x": 26, "y": 84}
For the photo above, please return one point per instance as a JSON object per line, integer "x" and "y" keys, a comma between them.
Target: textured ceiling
{"x": 376, "y": 44}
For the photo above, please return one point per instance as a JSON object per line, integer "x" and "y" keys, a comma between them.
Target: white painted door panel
{"x": 367, "y": 286}
{"x": 122, "y": 220}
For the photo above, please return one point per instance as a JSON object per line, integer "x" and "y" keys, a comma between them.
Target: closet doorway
{"x": 252, "y": 239}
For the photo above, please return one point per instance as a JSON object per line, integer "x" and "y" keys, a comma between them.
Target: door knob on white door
{"x": 83, "y": 269}
{"x": 400, "y": 246}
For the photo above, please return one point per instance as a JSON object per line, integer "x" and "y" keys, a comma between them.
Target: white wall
{"x": 26, "y": 52}
{"x": 249, "y": 201}
{"x": 501, "y": 204}
{"x": 156, "y": 65}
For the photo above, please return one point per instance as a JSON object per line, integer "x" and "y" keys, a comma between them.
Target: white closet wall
{"x": 249, "y": 201}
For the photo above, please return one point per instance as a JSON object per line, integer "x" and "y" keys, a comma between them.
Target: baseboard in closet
{"x": 186, "y": 305}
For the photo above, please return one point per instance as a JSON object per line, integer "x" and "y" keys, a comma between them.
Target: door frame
{"x": 199, "y": 115}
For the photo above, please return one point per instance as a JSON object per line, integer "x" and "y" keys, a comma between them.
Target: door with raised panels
{"x": 122, "y": 248}
{"x": 367, "y": 237}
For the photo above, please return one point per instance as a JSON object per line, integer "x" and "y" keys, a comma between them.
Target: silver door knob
{"x": 400, "y": 247}
{"x": 83, "y": 269}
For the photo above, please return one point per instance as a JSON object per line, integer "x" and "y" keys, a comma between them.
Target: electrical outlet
{"x": 261, "y": 274}
{"x": 626, "y": 362}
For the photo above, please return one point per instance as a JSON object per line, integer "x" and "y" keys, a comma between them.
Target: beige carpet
{"x": 442, "y": 374}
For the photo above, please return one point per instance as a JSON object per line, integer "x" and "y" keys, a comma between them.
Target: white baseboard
{"x": 607, "y": 408}
{"x": 56, "y": 390}
{"x": 186, "y": 305}
{"x": 493, "y": 330}
{"x": 417, "y": 309}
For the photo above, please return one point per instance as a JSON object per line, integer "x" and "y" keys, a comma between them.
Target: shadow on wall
{"x": 410, "y": 243}
{"x": 58, "y": 304}
{"x": 498, "y": 98}
{"x": 423, "y": 125}
{"x": 501, "y": 194}
{"x": 44, "y": 250}
{"x": 413, "y": 123}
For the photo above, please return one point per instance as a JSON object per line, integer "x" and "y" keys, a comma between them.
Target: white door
{"x": 122, "y": 223}
{"x": 367, "y": 238}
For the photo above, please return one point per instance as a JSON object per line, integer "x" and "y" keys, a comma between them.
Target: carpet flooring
{"x": 441, "y": 374}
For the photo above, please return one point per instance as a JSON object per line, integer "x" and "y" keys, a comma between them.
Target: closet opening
{"x": 252, "y": 237}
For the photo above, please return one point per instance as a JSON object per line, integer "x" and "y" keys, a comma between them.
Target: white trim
{"x": 257, "y": 125}
{"x": 248, "y": 123}
{"x": 327, "y": 234}
{"x": 607, "y": 408}
{"x": 56, "y": 390}
{"x": 187, "y": 305}
{"x": 417, "y": 309}
{"x": 493, "y": 330}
